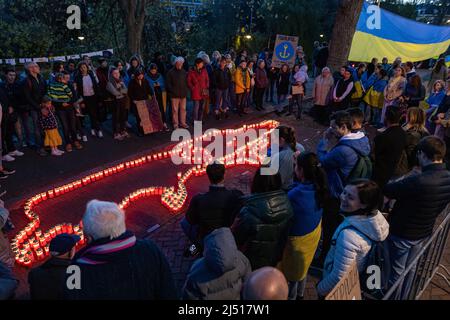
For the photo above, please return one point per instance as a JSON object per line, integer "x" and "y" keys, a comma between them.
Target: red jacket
{"x": 198, "y": 83}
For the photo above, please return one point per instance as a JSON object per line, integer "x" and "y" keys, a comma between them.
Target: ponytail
{"x": 314, "y": 173}
{"x": 288, "y": 134}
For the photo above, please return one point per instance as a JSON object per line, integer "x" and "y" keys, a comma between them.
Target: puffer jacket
{"x": 6, "y": 255}
{"x": 340, "y": 161}
{"x": 353, "y": 240}
{"x": 116, "y": 89}
{"x": 222, "y": 271}
{"x": 261, "y": 227}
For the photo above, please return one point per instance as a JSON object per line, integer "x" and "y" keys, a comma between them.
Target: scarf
{"x": 104, "y": 251}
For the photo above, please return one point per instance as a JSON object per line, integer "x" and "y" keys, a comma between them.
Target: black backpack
{"x": 377, "y": 256}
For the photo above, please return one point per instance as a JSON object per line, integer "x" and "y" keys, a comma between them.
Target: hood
{"x": 220, "y": 251}
{"x": 357, "y": 140}
{"x": 135, "y": 57}
{"x": 375, "y": 227}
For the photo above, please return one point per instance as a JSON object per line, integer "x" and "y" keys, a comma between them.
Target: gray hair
{"x": 28, "y": 65}
{"x": 103, "y": 220}
{"x": 179, "y": 60}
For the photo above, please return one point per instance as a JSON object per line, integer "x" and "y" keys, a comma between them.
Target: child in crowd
{"x": 50, "y": 126}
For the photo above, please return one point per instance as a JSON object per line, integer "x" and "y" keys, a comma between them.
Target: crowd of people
{"x": 325, "y": 208}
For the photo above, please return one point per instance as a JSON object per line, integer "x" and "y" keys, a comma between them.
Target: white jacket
{"x": 351, "y": 245}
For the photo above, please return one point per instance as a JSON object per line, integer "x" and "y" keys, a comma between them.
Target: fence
{"x": 427, "y": 263}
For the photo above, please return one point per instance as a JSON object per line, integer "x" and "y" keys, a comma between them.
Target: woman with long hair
{"x": 415, "y": 130}
{"x": 394, "y": 90}
{"x": 414, "y": 92}
{"x": 307, "y": 199}
{"x": 439, "y": 72}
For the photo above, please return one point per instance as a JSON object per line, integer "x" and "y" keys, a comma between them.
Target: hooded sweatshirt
{"x": 340, "y": 161}
{"x": 352, "y": 244}
{"x": 220, "y": 274}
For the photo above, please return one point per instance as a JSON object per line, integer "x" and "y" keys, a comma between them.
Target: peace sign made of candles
{"x": 31, "y": 244}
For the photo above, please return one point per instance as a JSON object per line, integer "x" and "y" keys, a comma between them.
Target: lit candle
{"x": 58, "y": 229}
{"x": 40, "y": 253}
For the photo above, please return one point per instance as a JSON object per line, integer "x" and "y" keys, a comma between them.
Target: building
{"x": 434, "y": 12}
{"x": 185, "y": 9}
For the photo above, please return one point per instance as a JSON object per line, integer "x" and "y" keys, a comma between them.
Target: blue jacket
{"x": 435, "y": 99}
{"x": 368, "y": 82}
{"x": 160, "y": 80}
{"x": 307, "y": 213}
{"x": 340, "y": 161}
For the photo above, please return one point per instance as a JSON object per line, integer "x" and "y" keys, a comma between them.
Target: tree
{"x": 344, "y": 28}
{"x": 134, "y": 15}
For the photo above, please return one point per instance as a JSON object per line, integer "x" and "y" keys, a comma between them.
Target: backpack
{"x": 378, "y": 255}
{"x": 362, "y": 170}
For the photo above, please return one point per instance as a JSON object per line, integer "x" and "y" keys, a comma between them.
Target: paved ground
{"x": 36, "y": 174}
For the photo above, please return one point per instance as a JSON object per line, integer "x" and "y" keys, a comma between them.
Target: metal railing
{"x": 427, "y": 263}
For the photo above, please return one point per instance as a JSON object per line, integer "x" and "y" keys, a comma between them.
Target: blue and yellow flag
{"x": 380, "y": 33}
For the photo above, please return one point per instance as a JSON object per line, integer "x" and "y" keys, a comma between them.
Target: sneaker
{"x": 84, "y": 139}
{"x": 128, "y": 125}
{"x": 69, "y": 148}
{"x": 8, "y": 172}
{"x": 16, "y": 153}
{"x": 125, "y": 135}
{"x": 8, "y": 158}
{"x": 42, "y": 152}
{"x": 100, "y": 134}
{"x": 185, "y": 126}
{"x": 166, "y": 128}
{"x": 118, "y": 137}
{"x": 93, "y": 133}
{"x": 77, "y": 145}
{"x": 56, "y": 153}
{"x": 78, "y": 136}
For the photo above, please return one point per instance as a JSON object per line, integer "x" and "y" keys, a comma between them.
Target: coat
{"x": 140, "y": 271}
{"x": 34, "y": 89}
{"x": 139, "y": 92}
{"x": 6, "y": 255}
{"x": 222, "y": 271}
{"x": 198, "y": 83}
{"x": 283, "y": 82}
{"x": 390, "y": 155}
{"x": 261, "y": 227}
{"x": 413, "y": 138}
{"x": 351, "y": 245}
{"x": 79, "y": 82}
{"x": 8, "y": 283}
{"x": 322, "y": 90}
{"x": 214, "y": 209}
{"x": 221, "y": 79}
{"x": 47, "y": 281}
{"x": 242, "y": 80}
{"x": 340, "y": 161}
{"x": 304, "y": 232}
{"x": 261, "y": 80}
{"x": 420, "y": 199}
{"x": 176, "y": 83}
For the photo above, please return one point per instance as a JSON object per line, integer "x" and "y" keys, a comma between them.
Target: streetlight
{"x": 321, "y": 35}
{"x": 248, "y": 37}
{"x": 81, "y": 38}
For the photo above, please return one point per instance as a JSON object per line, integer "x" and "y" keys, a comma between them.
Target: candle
{"x": 40, "y": 254}
{"x": 58, "y": 229}
{"x": 38, "y": 233}
{"x": 52, "y": 232}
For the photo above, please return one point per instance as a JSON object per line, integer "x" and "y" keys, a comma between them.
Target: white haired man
{"x": 177, "y": 87}
{"x": 117, "y": 266}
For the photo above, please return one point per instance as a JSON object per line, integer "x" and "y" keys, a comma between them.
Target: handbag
{"x": 298, "y": 90}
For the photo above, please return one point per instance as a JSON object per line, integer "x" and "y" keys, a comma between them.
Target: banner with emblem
{"x": 284, "y": 52}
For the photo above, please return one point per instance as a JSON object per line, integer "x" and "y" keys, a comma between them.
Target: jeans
{"x": 68, "y": 121}
{"x": 270, "y": 92}
{"x": 297, "y": 289}
{"x": 259, "y": 97}
{"x": 402, "y": 253}
{"x": 281, "y": 99}
{"x": 298, "y": 100}
{"x": 241, "y": 100}
{"x": 37, "y": 130}
{"x": 179, "y": 112}
{"x": 8, "y": 129}
{"x": 119, "y": 115}
{"x": 199, "y": 105}
{"x": 191, "y": 231}
{"x": 221, "y": 100}
{"x": 92, "y": 109}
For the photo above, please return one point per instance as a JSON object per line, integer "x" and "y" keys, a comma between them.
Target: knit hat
{"x": 179, "y": 60}
{"x": 63, "y": 243}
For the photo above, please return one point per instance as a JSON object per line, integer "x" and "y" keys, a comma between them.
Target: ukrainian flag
{"x": 384, "y": 34}
{"x": 447, "y": 61}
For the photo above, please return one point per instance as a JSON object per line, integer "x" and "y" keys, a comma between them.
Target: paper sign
{"x": 348, "y": 288}
{"x": 285, "y": 51}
